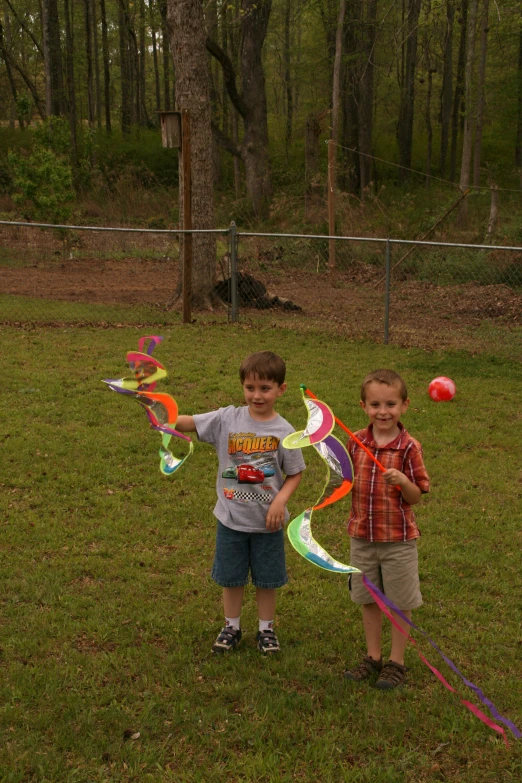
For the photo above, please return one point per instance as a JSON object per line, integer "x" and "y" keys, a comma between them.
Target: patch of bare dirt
{"x": 352, "y": 303}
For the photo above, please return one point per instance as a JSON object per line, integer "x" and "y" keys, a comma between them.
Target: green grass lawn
{"x": 108, "y": 611}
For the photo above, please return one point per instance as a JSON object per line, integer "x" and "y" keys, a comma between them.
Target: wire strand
{"x": 421, "y": 173}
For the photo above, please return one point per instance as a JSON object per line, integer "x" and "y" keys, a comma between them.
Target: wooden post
{"x": 187, "y": 215}
{"x": 331, "y": 203}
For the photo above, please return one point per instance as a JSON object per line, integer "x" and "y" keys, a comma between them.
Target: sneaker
{"x": 267, "y": 642}
{"x": 391, "y": 676}
{"x": 228, "y": 639}
{"x": 365, "y": 669}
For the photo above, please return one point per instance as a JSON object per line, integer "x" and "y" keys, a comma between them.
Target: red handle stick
{"x": 354, "y": 437}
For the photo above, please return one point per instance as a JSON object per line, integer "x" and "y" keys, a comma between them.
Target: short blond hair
{"x": 388, "y": 377}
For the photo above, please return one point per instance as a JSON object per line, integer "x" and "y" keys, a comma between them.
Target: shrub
{"x": 43, "y": 184}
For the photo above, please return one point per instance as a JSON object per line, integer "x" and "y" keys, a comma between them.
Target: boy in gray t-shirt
{"x": 256, "y": 477}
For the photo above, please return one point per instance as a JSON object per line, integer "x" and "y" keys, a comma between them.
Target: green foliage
{"x": 24, "y": 107}
{"x": 43, "y": 184}
{"x": 54, "y": 134}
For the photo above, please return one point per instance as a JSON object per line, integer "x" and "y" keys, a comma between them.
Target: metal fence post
{"x": 233, "y": 271}
{"x": 387, "y": 293}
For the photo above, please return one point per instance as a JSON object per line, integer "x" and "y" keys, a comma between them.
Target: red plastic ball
{"x": 442, "y": 389}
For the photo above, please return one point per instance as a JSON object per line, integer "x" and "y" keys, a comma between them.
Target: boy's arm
{"x": 410, "y": 491}
{"x": 185, "y": 424}
{"x": 275, "y": 517}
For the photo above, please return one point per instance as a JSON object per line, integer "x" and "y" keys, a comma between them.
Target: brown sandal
{"x": 391, "y": 676}
{"x": 364, "y": 670}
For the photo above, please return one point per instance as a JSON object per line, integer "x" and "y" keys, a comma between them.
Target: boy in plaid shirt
{"x": 382, "y": 525}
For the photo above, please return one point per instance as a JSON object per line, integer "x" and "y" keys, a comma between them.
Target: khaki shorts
{"x": 392, "y": 567}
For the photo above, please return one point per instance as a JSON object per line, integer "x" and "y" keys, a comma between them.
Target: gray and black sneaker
{"x": 228, "y": 638}
{"x": 267, "y": 642}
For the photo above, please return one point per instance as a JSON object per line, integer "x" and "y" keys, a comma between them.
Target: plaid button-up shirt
{"x": 379, "y": 512}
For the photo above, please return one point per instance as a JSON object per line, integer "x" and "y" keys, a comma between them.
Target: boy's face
{"x": 261, "y": 396}
{"x": 384, "y": 407}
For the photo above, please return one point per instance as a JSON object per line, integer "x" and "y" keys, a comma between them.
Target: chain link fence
{"x": 362, "y": 286}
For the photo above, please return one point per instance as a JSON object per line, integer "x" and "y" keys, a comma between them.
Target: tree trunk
{"x": 287, "y": 76}
{"x": 125, "y": 111}
{"x": 255, "y": 139}
{"x": 155, "y": 59}
{"x": 4, "y": 46}
{"x": 406, "y": 109}
{"x": 47, "y": 58}
{"x": 27, "y": 81}
{"x": 447, "y": 87}
{"x": 313, "y": 185}
{"x": 329, "y": 14}
{"x": 166, "y": 54}
{"x": 143, "y": 118}
{"x": 97, "y": 82}
{"x": 187, "y": 30}
{"x": 54, "y": 91}
{"x": 469, "y": 119}
{"x": 88, "y": 56}
{"x": 366, "y": 107}
{"x": 225, "y": 114}
{"x": 518, "y": 143}
{"x": 459, "y": 89}
{"x": 106, "y": 67}
{"x": 336, "y": 80}
{"x": 233, "y": 51}
{"x": 481, "y": 90}
{"x": 211, "y": 18}
{"x": 429, "y": 127}
{"x": 350, "y": 130}
{"x": 69, "y": 48}
{"x": 493, "y": 212}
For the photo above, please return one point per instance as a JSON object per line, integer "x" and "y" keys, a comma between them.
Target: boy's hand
{"x": 275, "y": 517}
{"x": 410, "y": 492}
{"x": 394, "y": 477}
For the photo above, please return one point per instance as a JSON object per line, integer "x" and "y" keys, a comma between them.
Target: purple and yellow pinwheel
{"x": 339, "y": 482}
{"x": 161, "y": 408}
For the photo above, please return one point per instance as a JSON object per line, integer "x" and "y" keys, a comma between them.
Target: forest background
{"x": 422, "y": 100}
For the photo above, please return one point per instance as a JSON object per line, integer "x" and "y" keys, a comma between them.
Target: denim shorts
{"x": 237, "y": 553}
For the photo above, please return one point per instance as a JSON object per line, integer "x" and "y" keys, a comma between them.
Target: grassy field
{"x": 108, "y": 611}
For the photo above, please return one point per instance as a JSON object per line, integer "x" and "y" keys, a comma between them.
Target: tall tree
{"x": 447, "y": 86}
{"x": 71, "y": 86}
{"x": 518, "y": 142}
{"x": 4, "y": 48}
{"x": 469, "y": 118}
{"x": 336, "y": 81}
{"x": 459, "y": 88}
{"x": 55, "y": 96}
{"x": 153, "y": 32}
{"x": 481, "y": 92}
{"x": 351, "y": 94}
{"x": 125, "y": 76}
{"x": 87, "y": 8}
{"x": 251, "y": 103}
{"x": 106, "y": 67}
{"x": 186, "y": 26}
{"x": 287, "y": 75}
{"x": 96, "y": 57}
{"x": 166, "y": 54}
{"x": 366, "y": 105}
{"x": 406, "y": 108}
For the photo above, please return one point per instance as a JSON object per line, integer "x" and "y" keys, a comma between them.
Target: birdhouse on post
{"x": 170, "y": 122}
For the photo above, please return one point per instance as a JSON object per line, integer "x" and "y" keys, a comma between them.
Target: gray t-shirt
{"x": 252, "y": 464}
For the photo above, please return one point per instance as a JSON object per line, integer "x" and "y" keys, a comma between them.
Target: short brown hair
{"x": 389, "y": 377}
{"x": 265, "y": 365}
